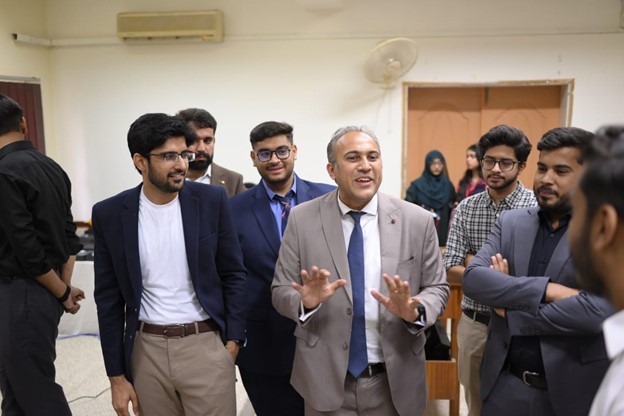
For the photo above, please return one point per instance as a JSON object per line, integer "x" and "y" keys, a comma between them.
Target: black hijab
{"x": 432, "y": 191}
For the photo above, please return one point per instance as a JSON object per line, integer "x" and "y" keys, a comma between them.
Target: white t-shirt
{"x": 609, "y": 400}
{"x": 168, "y": 293}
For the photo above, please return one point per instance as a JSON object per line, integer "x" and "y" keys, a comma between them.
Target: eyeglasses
{"x": 172, "y": 157}
{"x": 505, "y": 165}
{"x": 266, "y": 155}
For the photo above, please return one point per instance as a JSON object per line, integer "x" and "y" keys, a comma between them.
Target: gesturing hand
{"x": 400, "y": 301}
{"x": 316, "y": 287}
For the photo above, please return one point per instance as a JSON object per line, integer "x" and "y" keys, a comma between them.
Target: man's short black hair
{"x": 270, "y": 129}
{"x": 506, "y": 136}
{"x": 566, "y": 137}
{"x": 153, "y": 129}
{"x": 10, "y": 115}
{"x": 198, "y": 118}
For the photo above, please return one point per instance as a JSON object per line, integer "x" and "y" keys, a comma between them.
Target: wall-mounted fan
{"x": 390, "y": 60}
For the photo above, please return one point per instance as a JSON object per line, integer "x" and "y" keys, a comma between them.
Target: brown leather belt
{"x": 179, "y": 330}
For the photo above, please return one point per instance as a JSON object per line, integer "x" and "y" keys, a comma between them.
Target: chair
{"x": 442, "y": 380}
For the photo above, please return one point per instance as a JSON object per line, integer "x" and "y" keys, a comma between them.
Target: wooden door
{"x": 450, "y": 119}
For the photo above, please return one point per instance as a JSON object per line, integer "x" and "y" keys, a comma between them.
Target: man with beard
{"x": 503, "y": 152}
{"x": 169, "y": 282}
{"x": 261, "y": 213}
{"x": 544, "y": 353}
{"x": 202, "y": 169}
{"x": 597, "y": 245}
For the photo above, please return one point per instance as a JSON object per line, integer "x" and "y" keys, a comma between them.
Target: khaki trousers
{"x": 471, "y": 337}
{"x": 189, "y": 376}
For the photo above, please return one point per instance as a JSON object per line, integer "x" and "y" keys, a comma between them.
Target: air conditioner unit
{"x": 205, "y": 25}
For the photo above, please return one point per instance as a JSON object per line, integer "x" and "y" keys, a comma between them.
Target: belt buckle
{"x": 528, "y": 373}
{"x": 182, "y": 332}
{"x": 369, "y": 368}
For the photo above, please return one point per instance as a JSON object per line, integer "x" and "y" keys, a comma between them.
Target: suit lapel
{"x": 130, "y": 229}
{"x": 390, "y": 228}
{"x": 524, "y": 236}
{"x": 189, "y": 207}
{"x": 332, "y": 231}
{"x": 264, "y": 216}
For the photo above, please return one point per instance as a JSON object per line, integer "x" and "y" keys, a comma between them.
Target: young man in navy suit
{"x": 261, "y": 213}
{"x": 169, "y": 282}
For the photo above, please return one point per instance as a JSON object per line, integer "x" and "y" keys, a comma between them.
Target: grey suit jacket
{"x": 230, "y": 180}
{"x": 569, "y": 330}
{"x": 409, "y": 248}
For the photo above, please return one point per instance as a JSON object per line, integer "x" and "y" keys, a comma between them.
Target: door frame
{"x": 565, "y": 117}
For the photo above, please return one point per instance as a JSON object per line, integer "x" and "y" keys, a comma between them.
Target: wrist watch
{"x": 421, "y": 312}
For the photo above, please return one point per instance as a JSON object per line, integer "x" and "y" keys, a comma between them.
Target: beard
{"x": 163, "y": 183}
{"x": 562, "y": 206}
{"x": 201, "y": 165}
{"x": 586, "y": 274}
{"x": 503, "y": 185}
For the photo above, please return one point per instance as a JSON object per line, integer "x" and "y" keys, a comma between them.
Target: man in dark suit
{"x": 169, "y": 282}
{"x": 544, "y": 353}
{"x": 265, "y": 363}
{"x": 361, "y": 275}
{"x": 203, "y": 169}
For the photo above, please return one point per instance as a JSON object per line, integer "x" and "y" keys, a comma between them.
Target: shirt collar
{"x": 370, "y": 208}
{"x": 271, "y": 194}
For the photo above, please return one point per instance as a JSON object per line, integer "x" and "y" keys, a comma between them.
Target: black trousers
{"x": 29, "y": 318}
{"x": 272, "y": 395}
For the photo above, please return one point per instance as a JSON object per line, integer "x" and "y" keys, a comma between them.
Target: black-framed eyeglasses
{"x": 266, "y": 155}
{"x": 505, "y": 165}
{"x": 172, "y": 157}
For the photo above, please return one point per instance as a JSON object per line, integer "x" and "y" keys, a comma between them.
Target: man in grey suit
{"x": 354, "y": 356}
{"x": 545, "y": 353}
{"x": 203, "y": 169}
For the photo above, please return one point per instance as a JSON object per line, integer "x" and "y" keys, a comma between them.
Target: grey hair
{"x": 331, "y": 156}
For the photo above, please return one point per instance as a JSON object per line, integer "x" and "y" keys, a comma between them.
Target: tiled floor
{"x": 80, "y": 370}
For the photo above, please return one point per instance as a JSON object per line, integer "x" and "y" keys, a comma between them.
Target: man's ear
{"x": 604, "y": 227}
{"x": 23, "y": 126}
{"x": 252, "y": 155}
{"x": 330, "y": 170}
{"x": 139, "y": 162}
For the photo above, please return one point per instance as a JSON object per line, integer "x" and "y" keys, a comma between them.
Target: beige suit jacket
{"x": 230, "y": 180}
{"x": 409, "y": 248}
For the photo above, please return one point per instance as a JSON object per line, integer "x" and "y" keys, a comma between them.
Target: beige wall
{"x": 280, "y": 61}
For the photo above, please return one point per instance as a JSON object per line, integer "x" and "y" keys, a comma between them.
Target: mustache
{"x": 204, "y": 154}
{"x": 547, "y": 188}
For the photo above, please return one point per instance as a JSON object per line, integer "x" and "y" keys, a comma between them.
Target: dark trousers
{"x": 511, "y": 397}
{"x": 272, "y": 395}
{"x": 29, "y": 318}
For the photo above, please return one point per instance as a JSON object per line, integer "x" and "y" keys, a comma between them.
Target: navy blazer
{"x": 270, "y": 345}
{"x": 214, "y": 260}
{"x": 569, "y": 330}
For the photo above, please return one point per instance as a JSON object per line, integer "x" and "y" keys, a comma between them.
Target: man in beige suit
{"x": 202, "y": 169}
{"x": 361, "y": 274}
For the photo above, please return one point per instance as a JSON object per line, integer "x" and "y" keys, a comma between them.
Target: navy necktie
{"x": 358, "y": 356}
{"x": 285, "y": 202}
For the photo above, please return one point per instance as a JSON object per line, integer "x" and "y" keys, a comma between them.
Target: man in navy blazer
{"x": 545, "y": 354}
{"x": 169, "y": 282}
{"x": 266, "y": 361}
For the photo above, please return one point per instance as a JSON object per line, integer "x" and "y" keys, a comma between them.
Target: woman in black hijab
{"x": 434, "y": 192}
